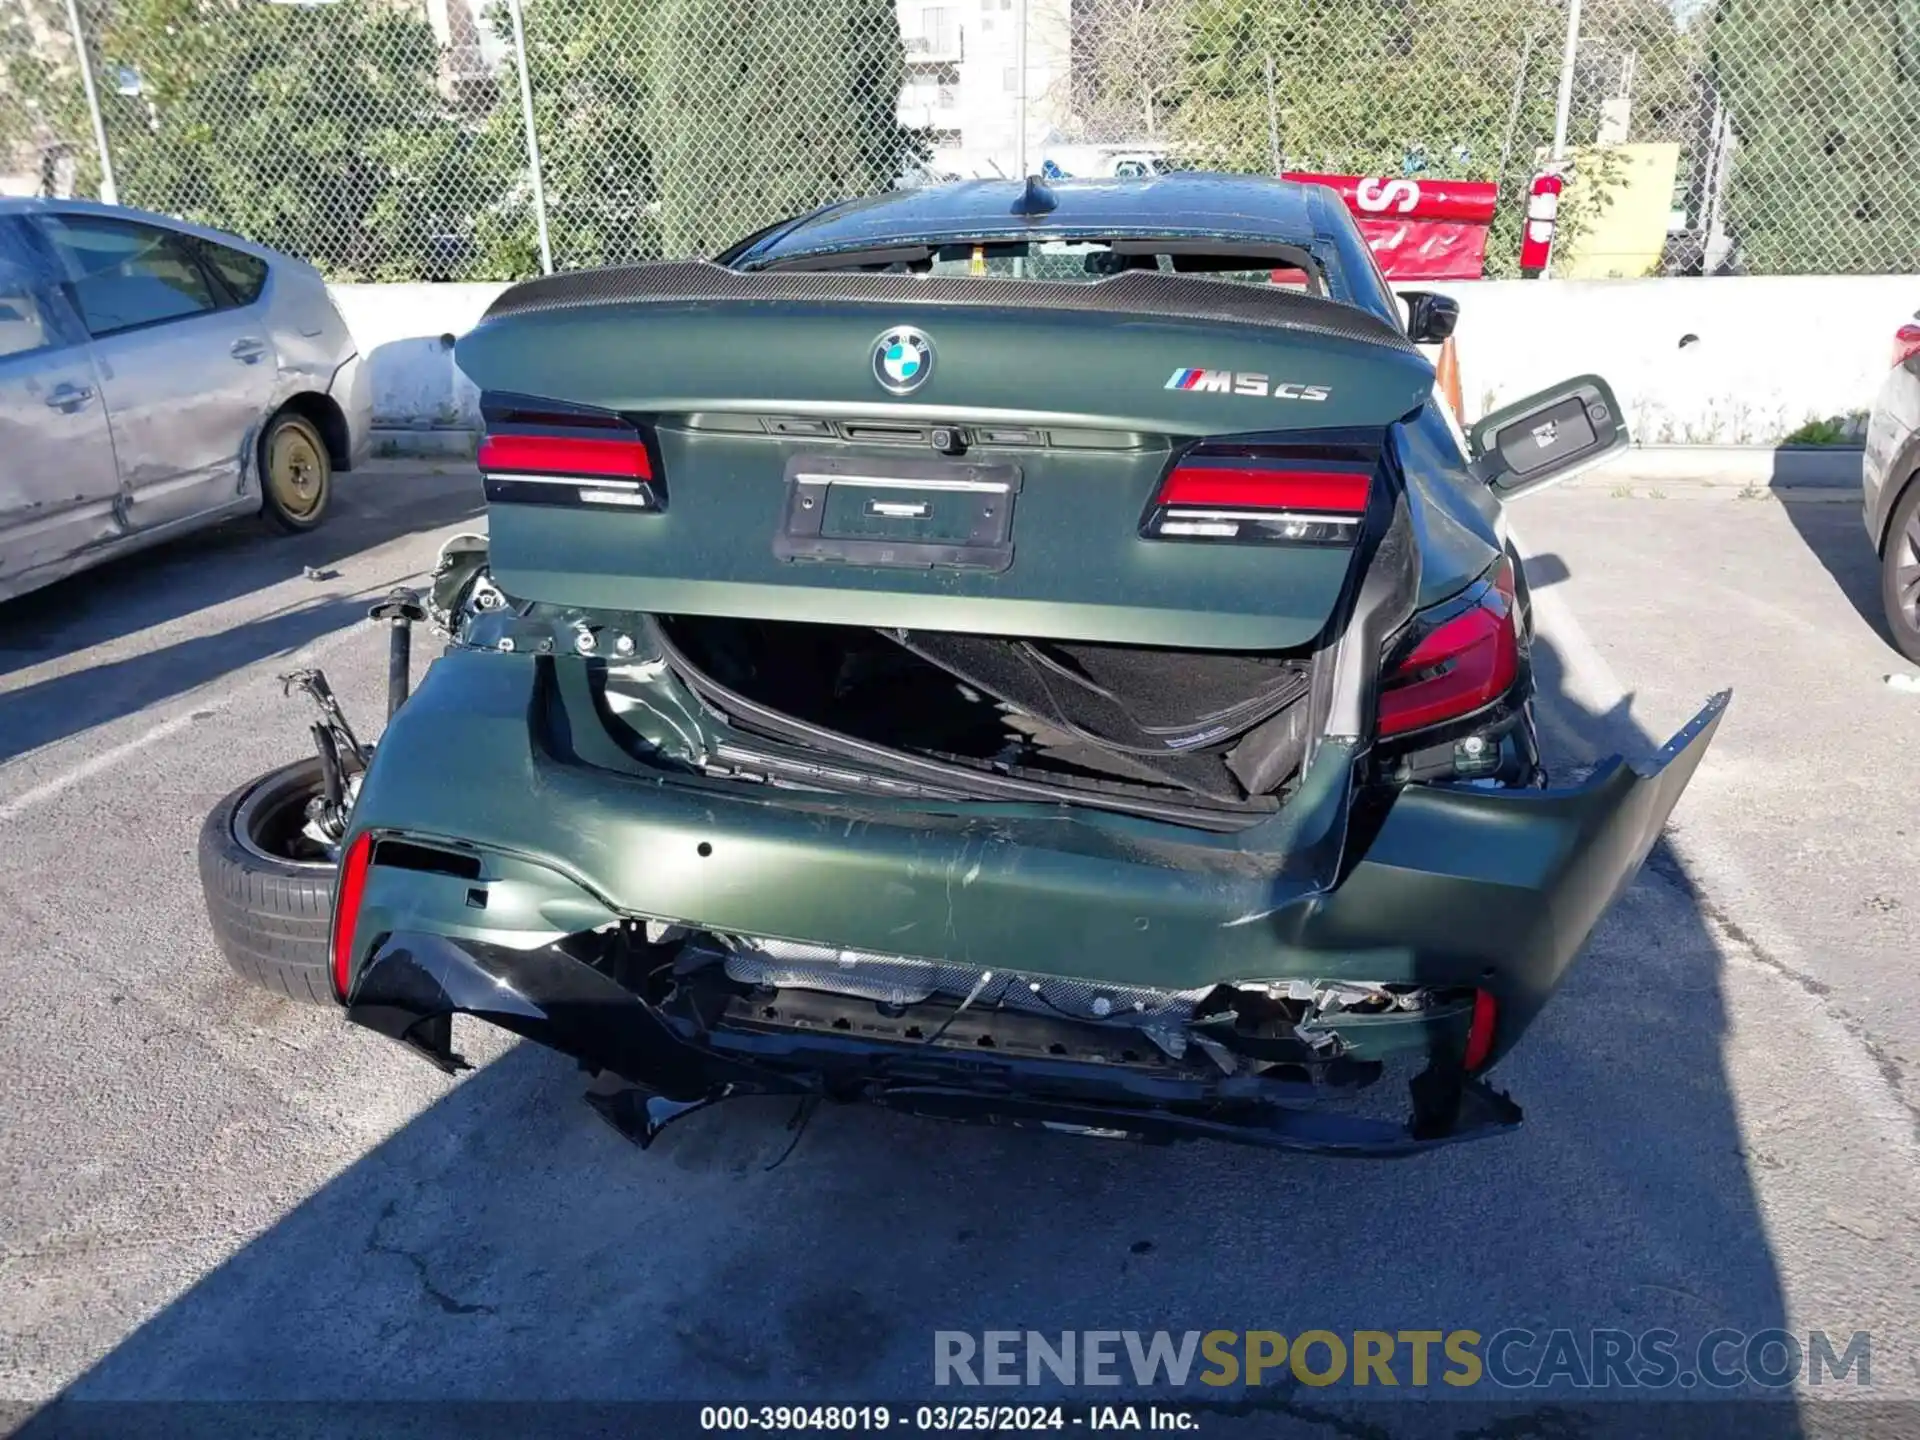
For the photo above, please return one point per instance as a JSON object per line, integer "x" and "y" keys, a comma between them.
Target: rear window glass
{"x": 1086, "y": 261}
{"x": 244, "y": 275}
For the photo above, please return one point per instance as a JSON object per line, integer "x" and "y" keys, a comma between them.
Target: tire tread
{"x": 270, "y": 918}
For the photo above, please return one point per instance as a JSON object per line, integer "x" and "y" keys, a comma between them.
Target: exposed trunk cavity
{"x": 1229, "y": 728}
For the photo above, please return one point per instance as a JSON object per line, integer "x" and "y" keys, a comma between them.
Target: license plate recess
{"x": 904, "y": 512}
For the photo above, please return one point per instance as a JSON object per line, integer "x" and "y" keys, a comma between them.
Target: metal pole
{"x": 1513, "y": 115}
{"x": 1567, "y": 60}
{"x": 533, "y": 136}
{"x": 1020, "y": 89}
{"x": 1273, "y": 122}
{"x": 109, "y": 192}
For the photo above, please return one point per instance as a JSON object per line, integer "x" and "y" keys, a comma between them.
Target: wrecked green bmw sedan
{"x": 1041, "y": 655}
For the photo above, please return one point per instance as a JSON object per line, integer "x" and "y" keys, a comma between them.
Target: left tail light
{"x": 573, "y": 457}
{"x": 1455, "y": 659}
{"x": 348, "y": 894}
{"x": 1259, "y": 496}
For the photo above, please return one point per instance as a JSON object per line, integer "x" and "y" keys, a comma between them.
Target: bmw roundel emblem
{"x": 902, "y": 360}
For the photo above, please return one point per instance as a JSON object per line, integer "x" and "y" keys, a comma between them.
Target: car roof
{"x": 1182, "y": 204}
{"x": 45, "y": 205}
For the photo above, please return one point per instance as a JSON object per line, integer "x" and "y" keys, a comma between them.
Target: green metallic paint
{"x": 1458, "y": 886}
{"x": 1080, "y": 569}
{"x": 1088, "y": 368}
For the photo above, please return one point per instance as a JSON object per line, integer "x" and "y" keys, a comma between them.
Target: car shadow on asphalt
{"x": 66, "y": 704}
{"x": 1839, "y": 541}
{"x": 505, "y": 1245}
{"x": 196, "y": 572}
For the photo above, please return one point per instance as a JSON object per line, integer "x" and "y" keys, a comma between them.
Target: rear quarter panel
{"x": 1892, "y": 447}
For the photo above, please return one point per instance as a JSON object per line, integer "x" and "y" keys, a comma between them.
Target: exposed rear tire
{"x": 269, "y": 910}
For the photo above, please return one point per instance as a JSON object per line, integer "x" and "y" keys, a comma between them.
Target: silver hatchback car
{"x": 156, "y": 377}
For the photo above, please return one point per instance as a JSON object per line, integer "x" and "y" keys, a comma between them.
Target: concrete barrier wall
{"x": 407, "y": 334}
{"x": 1736, "y": 361}
{"x": 1739, "y": 361}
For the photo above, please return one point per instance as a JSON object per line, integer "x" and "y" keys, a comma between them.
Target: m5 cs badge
{"x": 1240, "y": 382}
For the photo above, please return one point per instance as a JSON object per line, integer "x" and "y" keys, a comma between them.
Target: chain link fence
{"x": 396, "y": 139}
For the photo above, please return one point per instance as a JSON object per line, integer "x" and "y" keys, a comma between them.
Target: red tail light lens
{"x": 346, "y": 910}
{"x": 537, "y": 453}
{"x": 1906, "y": 344}
{"x": 1480, "y": 1031}
{"x": 1258, "y": 500}
{"x": 569, "y": 456}
{"x": 1454, "y": 663}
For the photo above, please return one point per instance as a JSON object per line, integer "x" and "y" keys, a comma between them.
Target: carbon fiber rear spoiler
{"x": 1137, "y": 293}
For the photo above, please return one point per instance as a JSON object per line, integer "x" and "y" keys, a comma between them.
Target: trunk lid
{"x": 795, "y": 473}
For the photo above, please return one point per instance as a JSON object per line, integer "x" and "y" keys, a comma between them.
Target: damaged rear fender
{"x": 1499, "y": 888}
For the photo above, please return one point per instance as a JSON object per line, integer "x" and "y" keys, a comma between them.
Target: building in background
{"x": 35, "y": 157}
{"x": 470, "y": 53}
{"x": 963, "y": 80}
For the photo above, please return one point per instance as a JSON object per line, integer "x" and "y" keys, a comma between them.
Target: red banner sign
{"x": 1419, "y": 229}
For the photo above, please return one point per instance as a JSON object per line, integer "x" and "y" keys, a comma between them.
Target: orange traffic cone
{"x": 1446, "y": 379}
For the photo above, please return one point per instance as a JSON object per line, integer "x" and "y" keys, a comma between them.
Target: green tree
{"x": 1420, "y": 86}
{"x": 320, "y": 131}
{"x": 1364, "y": 87}
{"x": 589, "y": 62}
{"x": 1128, "y": 65}
{"x": 760, "y": 111}
{"x": 1825, "y": 101}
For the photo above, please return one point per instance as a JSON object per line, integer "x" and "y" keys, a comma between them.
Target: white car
{"x": 156, "y": 377}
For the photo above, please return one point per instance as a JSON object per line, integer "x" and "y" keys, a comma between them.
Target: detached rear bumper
{"x": 1451, "y": 889}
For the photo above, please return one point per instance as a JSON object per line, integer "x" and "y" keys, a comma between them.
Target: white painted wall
{"x": 406, "y": 332}
{"x": 1770, "y": 354}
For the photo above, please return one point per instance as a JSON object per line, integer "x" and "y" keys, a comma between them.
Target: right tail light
{"x": 1455, "y": 658}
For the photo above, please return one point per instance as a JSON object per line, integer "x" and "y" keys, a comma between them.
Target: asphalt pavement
{"x": 209, "y": 1194}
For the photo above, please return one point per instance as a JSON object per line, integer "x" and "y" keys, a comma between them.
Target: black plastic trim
{"x": 1134, "y": 293}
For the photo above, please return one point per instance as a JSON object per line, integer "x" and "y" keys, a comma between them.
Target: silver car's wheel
{"x": 1900, "y": 573}
{"x": 296, "y": 477}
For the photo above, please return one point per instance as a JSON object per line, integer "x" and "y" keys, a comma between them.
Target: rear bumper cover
{"x": 1449, "y": 887}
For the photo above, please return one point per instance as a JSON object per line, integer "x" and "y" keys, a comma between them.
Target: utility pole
{"x": 1020, "y": 89}
{"x": 1563, "y": 112}
{"x": 533, "y": 135}
{"x": 109, "y": 192}
{"x": 1568, "y": 59}
{"x": 1273, "y": 122}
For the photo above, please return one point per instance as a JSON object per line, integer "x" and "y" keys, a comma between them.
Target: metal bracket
{"x": 313, "y": 683}
{"x": 401, "y": 610}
